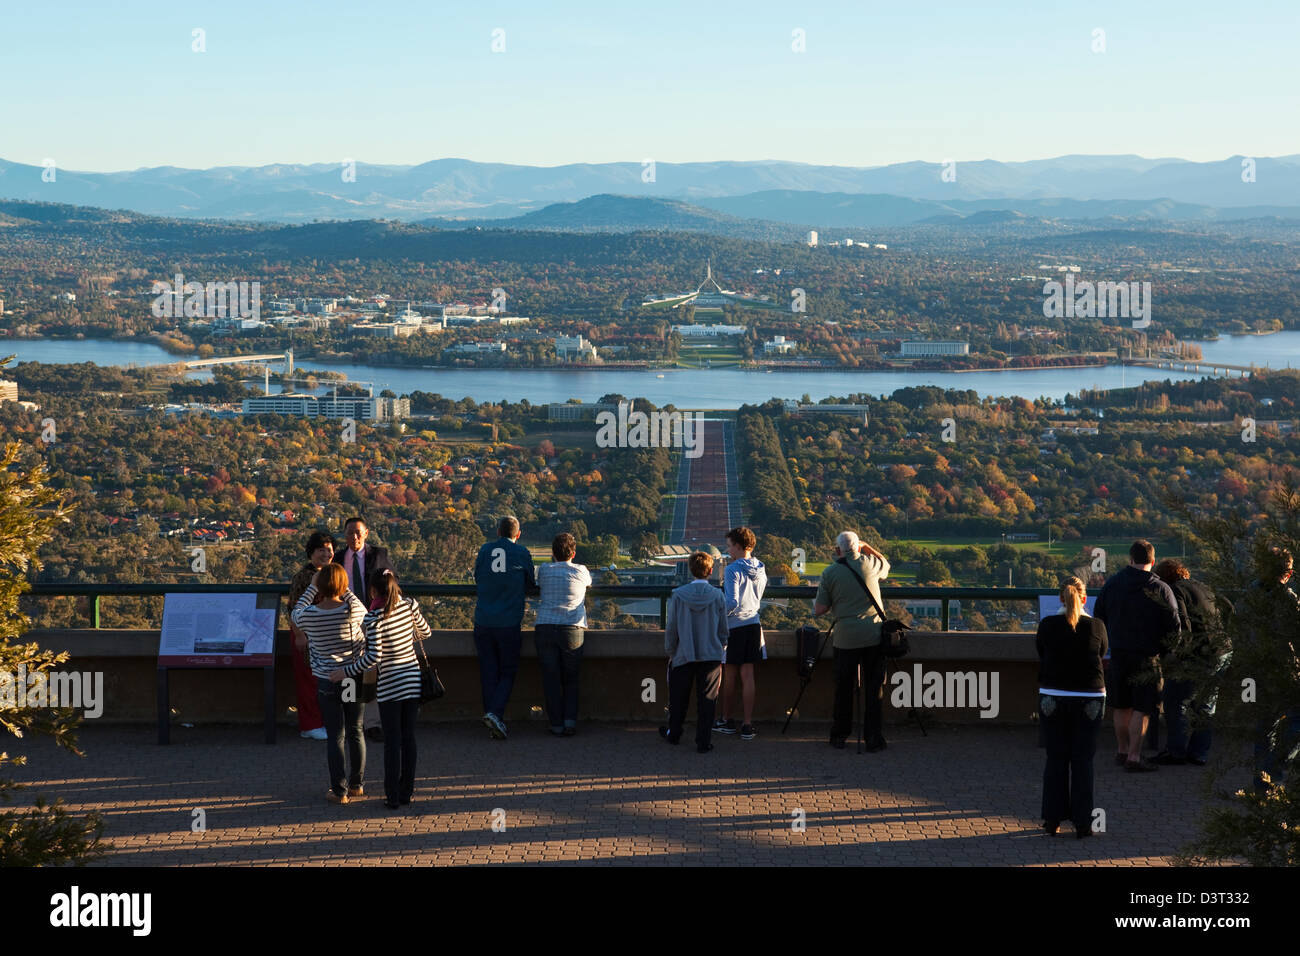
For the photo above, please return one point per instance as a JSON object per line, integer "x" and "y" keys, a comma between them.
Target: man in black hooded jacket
{"x": 1141, "y": 618}
{"x": 1189, "y": 698}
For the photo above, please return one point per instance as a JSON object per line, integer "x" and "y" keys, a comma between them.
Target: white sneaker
{"x": 316, "y": 734}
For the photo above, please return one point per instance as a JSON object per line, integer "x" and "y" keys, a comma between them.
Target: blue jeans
{"x": 1182, "y": 712}
{"x": 498, "y": 663}
{"x": 1071, "y": 726}
{"x": 559, "y": 651}
{"x": 340, "y": 716}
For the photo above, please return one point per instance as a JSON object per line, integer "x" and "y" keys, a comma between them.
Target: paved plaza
{"x": 614, "y": 794}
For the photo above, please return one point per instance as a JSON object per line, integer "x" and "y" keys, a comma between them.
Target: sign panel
{"x": 216, "y": 630}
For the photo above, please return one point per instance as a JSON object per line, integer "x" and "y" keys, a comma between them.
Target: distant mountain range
{"x": 1072, "y": 187}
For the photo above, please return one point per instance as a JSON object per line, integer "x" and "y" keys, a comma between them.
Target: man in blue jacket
{"x": 1142, "y": 623}
{"x": 503, "y": 574}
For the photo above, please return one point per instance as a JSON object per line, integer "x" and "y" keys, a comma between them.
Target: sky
{"x": 117, "y": 86}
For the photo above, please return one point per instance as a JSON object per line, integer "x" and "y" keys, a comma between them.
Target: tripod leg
{"x": 860, "y": 691}
{"x": 803, "y": 686}
{"x": 805, "y": 681}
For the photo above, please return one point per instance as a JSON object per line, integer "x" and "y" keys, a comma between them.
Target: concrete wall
{"x": 616, "y": 664}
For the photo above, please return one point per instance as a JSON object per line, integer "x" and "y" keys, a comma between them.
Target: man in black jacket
{"x": 1141, "y": 618}
{"x": 362, "y": 562}
{"x": 1197, "y": 657}
{"x": 1270, "y": 645}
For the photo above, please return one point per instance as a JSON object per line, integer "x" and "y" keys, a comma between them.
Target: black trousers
{"x": 559, "y": 652}
{"x": 846, "y": 662}
{"x": 707, "y": 677}
{"x": 398, "y": 719}
{"x": 1070, "y": 726}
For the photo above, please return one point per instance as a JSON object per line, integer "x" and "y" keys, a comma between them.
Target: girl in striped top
{"x": 391, "y": 630}
{"x": 331, "y": 616}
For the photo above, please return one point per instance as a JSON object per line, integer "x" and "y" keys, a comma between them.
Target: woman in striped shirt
{"x": 330, "y": 615}
{"x": 390, "y": 644}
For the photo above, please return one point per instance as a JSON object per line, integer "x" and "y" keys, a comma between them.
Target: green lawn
{"x": 1070, "y": 548}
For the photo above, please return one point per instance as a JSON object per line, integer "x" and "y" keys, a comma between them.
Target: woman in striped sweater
{"x": 390, "y": 644}
{"x": 330, "y": 615}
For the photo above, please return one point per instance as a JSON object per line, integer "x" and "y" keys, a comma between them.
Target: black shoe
{"x": 1166, "y": 759}
{"x": 1052, "y": 827}
{"x": 391, "y": 804}
{"x": 376, "y": 734}
{"x": 837, "y": 743}
{"x": 705, "y": 749}
{"x": 1140, "y": 766}
{"x": 1121, "y": 760}
{"x": 666, "y": 734}
{"x": 747, "y": 732}
{"x": 1197, "y": 761}
{"x": 557, "y": 733}
{"x": 876, "y": 746}
{"x": 721, "y": 726}
{"x": 569, "y": 732}
{"x": 406, "y": 799}
{"x": 1082, "y": 832}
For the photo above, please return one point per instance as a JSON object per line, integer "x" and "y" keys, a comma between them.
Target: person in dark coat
{"x": 363, "y": 562}
{"x": 1071, "y": 705}
{"x": 1141, "y": 618}
{"x": 1188, "y": 695}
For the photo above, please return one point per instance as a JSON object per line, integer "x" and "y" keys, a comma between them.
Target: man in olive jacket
{"x": 856, "y": 639}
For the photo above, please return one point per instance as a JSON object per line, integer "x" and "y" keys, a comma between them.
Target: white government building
{"x": 780, "y": 344}
{"x": 361, "y": 407}
{"x": 707, "y": 331}
{"x": 934, "y": 349}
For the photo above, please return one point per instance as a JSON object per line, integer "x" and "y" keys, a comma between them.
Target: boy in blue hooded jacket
{"x": 742, "y": 589}
{"x": 695, "y": 639}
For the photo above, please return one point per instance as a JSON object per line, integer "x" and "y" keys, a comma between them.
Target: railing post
{"x": 663, "y": 611}
{"x": 944, "y": 612}
{"x": 94, "y": 611}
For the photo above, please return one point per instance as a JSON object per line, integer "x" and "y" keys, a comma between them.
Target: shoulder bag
{"x": 893, "y": 632}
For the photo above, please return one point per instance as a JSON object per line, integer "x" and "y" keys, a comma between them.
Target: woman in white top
{"x": 561, "y": 617}
{"x": 330, "y": 615}
{"x": 391, "y": 630}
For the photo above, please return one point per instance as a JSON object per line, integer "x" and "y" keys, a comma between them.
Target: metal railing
{"x": 97, "y": 591}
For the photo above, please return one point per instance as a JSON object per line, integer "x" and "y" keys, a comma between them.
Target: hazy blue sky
{"x": 106, "y": 86}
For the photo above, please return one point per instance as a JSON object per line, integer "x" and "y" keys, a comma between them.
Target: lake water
{"x": 697, "y": 388}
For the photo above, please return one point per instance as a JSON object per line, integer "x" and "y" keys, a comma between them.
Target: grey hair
{"x": 848, "y": 543}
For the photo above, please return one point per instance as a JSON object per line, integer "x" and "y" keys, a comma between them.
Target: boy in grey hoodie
{"x": 742, "y": 590}
{"x": 695, "y": 639}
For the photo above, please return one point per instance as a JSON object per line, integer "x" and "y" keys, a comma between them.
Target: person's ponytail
{"x": 1072, "y": 599}
{"x": 384, "y": 584}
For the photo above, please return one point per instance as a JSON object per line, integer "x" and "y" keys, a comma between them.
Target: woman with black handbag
{"x": 391, "y": 630}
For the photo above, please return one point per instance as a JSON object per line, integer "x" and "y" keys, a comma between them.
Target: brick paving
{"x": 615, "y": 794}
